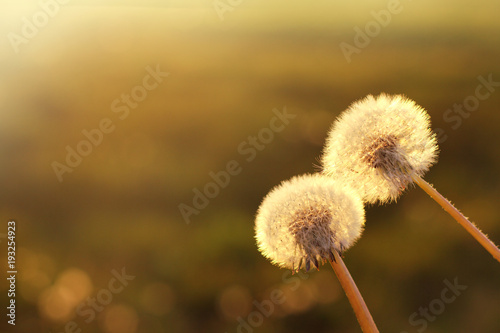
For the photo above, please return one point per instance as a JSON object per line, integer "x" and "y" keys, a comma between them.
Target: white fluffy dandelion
{"x": 311, "y": 219}
{"x": 304, "y": 219}
{"x": 378, "y": 144}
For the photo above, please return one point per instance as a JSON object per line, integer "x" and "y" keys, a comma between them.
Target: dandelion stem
{"x": 459, "y": 217}
{"x": 351, "y": 290}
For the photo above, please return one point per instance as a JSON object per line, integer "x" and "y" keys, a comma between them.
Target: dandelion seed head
{"x": 378, "y": 144}
{"x": 302, "y": 220}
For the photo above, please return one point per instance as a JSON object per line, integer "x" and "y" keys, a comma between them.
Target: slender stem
{"x": 455, "y": 213}
{"x": 358, "y": 304}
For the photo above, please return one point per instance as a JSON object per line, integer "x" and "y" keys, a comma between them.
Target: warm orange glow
{"x": 120, "y": 319}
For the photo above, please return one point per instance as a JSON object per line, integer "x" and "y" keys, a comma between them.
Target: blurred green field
{"x": 119, "y": 208}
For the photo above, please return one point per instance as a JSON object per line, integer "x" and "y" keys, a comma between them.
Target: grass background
{"x": 119, "y": 207}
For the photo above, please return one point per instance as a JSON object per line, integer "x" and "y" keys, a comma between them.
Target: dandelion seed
{"x": 303, "y": 220}
{"x": 309, "y": 220}
{"x": 378, "y": 145}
